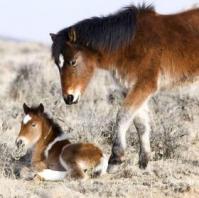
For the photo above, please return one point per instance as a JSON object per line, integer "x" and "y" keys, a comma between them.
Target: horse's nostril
{"x": 19, "y": 143}
{"x": 69, "y": 99}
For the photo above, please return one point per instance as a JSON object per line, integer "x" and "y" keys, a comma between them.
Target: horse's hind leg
{"x": 141, "y": 122}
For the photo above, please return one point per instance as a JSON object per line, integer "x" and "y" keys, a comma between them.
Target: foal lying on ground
{"x": 53, "y": 155}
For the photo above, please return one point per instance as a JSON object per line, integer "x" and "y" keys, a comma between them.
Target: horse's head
{"x": 31, "y": 127}
{"x": 76, "y": 66}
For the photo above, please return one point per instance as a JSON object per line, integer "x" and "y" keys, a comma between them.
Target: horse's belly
{"x": 167, "y": 82}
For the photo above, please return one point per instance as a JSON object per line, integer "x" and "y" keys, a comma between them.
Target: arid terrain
{"x": 27, "y": 74}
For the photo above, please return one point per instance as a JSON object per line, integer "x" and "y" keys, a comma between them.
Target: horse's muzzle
{"x": 70, "y": 99}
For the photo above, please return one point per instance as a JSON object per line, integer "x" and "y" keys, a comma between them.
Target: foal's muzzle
{"x": 19, "y": 143}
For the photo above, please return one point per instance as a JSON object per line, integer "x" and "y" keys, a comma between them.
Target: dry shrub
{"x": 174, "y": 122}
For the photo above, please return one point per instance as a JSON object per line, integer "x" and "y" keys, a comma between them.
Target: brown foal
{"x": 53, "y": 156}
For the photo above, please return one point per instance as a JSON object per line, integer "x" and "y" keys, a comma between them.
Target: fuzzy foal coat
{"x": 53, "y": 156}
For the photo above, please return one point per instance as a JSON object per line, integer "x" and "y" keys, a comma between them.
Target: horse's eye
{"x": 73, "y": 62}
{"x": 33, "y": 125}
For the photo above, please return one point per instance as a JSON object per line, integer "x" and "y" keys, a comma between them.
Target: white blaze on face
{"x": 26, "y": 119}
{"x": 61, "y": 60}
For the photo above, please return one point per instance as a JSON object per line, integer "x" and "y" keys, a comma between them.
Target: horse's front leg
{"x": 123, "y": 121}
{"x": 141, "y": 122}
{"x": 134, "y": 102}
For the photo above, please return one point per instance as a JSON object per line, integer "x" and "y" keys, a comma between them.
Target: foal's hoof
{"x": 143, "y": 161}
{"x": 27, "y": 174}
{"x": 38, "y": 179}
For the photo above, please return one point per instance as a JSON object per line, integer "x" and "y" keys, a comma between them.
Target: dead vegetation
{"x": 28, "y": 75}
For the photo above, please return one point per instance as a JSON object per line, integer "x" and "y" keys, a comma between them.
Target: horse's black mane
{"x": 102, "y": 33}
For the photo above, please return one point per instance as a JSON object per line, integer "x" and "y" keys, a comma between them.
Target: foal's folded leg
{"x": 76, "y": 172}
{"x": 71, "y": 165}
{"x": 51, "y": 175}
{"x": 27, "y": 173}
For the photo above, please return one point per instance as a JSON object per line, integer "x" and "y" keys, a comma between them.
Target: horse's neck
{"x": 108, "y": 62}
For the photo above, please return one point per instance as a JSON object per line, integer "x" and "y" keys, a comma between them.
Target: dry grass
{"x": 28, "y": 75}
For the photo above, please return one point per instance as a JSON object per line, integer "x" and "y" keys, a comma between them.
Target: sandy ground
{"x": 27, "y": 74}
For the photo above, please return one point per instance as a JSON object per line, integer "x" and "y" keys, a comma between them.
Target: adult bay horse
{"x": 145, "y": 51}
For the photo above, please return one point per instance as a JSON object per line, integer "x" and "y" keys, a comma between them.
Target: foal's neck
{"x": 49, "y": 132}
{"x": 48, "y": 135}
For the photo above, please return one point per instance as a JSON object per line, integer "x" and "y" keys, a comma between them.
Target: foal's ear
{"x": 41, "y": 108}
{"x": 26, "y": 108}
{"x": 53, "y": 36}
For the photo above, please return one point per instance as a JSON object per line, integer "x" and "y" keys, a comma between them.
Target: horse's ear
{"x": 53, "y": 36}
{"x": 41, "y": 108}
{"x": 26, "y": 108}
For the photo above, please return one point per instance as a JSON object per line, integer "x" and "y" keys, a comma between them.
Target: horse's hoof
{"x": 143, "y": 165}
{"x": 143, "y": 161}
{"x": 112, "y": 168}
{"x": 113, "y": 163}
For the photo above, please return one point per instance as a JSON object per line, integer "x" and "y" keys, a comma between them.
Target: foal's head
{"x": 76, "y": 66}
{"x": 31, "y": 127}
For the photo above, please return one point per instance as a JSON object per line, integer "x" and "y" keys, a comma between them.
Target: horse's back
{"x": 188, "y": 19}
{"x": 191, "y": 17}
{"x": 178, "y": 40}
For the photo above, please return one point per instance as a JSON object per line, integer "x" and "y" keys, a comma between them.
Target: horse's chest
{"x": 121, "y": 79}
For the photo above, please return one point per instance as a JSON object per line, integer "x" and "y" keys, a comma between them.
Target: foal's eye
{"x": 33, "y": 125}
{"x": 73, "y": 62}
